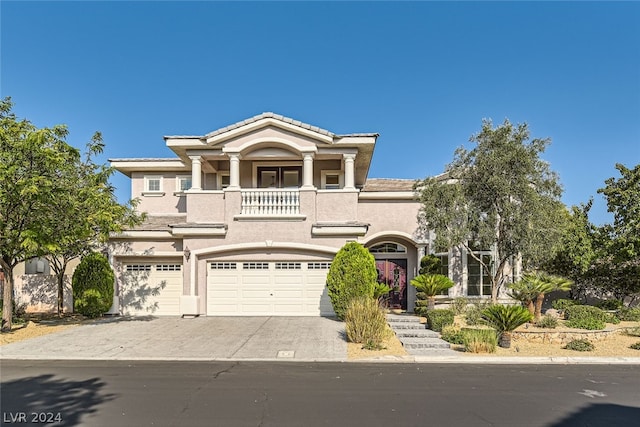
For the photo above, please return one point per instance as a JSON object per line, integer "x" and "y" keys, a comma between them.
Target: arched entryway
{"x": 391, "y": 263}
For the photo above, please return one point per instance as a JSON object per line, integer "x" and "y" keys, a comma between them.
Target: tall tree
{"x": 90, "y": 213}
{"x": 30, "y": 163}
{"x": 499, "y": 195}
{"x": 616, "y": 269}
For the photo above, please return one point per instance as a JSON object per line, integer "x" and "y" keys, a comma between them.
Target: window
{"x": 279, "y": 177}
{"x": 153, "y": 184}
{"x": 183, "y": 183}
{"x": 255, "y": 265}
{"x": 318, "y": 265}
{"x": 331, "y": 180}
{"x": 387, "y": 248}
{"x": 138, "y": 267}
{"x": 288, "y": 266}
{"x": 444, "y": 268}
{"x": 37, "y": 266}
{"x": 478, "y": 279}
{"x": 168, "y": 267}
{"x": 225, "y": 181}
{"x": 223, "y": 266}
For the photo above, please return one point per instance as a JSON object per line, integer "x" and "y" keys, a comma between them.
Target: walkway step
{"x": 406, "y": 325}
{"x": 402, "y": 318}
{"x": 424, "y": 343}
{"x": 417, "y": 333}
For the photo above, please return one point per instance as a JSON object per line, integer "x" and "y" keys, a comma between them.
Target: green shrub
{"x": 580, "y": 345}
{"x": 473, "y": 314}
{"x": 439, "y": 318}
{"x": 430, "y": 285}
{"x": 366, "y": 323}
{"x": 352, "y": 274}
{"x": 547, "y": 322}
{"x": 563, "y": 304}
{"x": 610, "y": 304}
{"x": 19, "y": 311}
{"x": 505, "y": 318}
{"x": 459, "y": 304}
{"x": 629, "y": 314}
{"x": 480, "y": 340}
{"x": 92, "y": 286}
{"x": 452, "y": 334}
{"x": 612, "y": 318}
{"x": 586, "y": 323}
{"x": 634, "y": 332}
{"x": 635, "y": 346}
{"x": 585, "y": 312}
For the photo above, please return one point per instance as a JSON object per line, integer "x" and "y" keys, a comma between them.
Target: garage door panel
{"x": 268, "y": 288}
{"x": 150, "y": 289}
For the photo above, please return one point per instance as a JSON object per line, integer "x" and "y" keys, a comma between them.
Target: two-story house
{"x": 246, "y": 220}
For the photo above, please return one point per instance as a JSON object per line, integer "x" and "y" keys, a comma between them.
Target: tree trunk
{"x": 60, "y": 277}
{"x": 538, "y": 311}
{"x": 7, "y": 300}
{"x": 431, "y": 303}
{"x": 531, "y": 308}
{"x": 505, "y": 340}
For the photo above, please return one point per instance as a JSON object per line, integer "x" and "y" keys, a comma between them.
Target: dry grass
{"x": 40, "y": 324}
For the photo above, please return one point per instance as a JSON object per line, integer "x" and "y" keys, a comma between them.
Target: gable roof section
{"x": 388, "y": 184}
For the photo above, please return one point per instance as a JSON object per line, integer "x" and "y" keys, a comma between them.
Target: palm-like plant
{"x": 504, "y": 319}
{"x": 534, "y": 286}
{"x": 431, "y": 285}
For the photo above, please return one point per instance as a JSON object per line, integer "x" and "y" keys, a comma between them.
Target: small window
{"x": 318, "y": 265}
{"x": 153, "y": 184}
{"x": 331, "y": 180}
{"x": 387, "y": 248}
{"x": 183, "y": 183}
{"x": 223, "y": 266}
{"x": 288, "y": 266}
{"x": 224, "y": 180}
{"x": 138, "y": 267}
{"x": 255, "y": 265}
{"x": 37, "y": 266}
{"x": 168, "y": 267}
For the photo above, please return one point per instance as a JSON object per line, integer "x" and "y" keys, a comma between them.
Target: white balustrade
{"x": 270, "y": 202}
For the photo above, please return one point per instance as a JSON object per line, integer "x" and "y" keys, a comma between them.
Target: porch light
{"x": 187, "y": 253}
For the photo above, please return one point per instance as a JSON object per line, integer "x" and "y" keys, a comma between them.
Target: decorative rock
{"x": 553, "y": 312}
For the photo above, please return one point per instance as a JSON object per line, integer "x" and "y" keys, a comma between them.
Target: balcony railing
{"x": 270, "y": 202}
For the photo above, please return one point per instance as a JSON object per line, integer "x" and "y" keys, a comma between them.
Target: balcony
{"x": 270, "y": 203}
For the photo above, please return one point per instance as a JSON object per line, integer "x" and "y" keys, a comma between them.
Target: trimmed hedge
{"x": 92, "y": 286}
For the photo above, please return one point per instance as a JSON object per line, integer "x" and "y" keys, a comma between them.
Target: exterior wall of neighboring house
{"x": 36, "y": 287}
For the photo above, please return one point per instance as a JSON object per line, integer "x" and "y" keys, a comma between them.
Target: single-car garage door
{"x": 268, "y": 289}
{"x": 150, "y": 289}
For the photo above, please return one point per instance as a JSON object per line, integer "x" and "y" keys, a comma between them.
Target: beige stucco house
{"x": 246, "y": 220}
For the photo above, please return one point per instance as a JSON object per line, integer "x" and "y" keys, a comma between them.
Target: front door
{"x": 393, "y": 273}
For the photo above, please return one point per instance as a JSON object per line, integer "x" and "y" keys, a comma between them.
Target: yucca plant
{"x": 532, "y": 288}
{"x": 431, "y": 285}
{"x": 504, "y": 319}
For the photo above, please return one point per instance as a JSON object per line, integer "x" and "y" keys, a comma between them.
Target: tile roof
{"x": 269, "y": 115}
{"x": 388, "y": 184}
{"x": 159, "y": 222}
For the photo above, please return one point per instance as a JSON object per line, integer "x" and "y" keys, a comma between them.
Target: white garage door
{"x": 268, "y": 289}
{"x": 150, "y": 289}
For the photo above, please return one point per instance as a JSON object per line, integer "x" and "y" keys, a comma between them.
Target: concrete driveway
{"x": 201, "y": 338}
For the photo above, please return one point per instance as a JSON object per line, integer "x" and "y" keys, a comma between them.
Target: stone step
{"x": 404, "y": 319}
{"x": 424, "y": 343}
{"x": 406, "y": 325}
{"x": 416, "y": 333}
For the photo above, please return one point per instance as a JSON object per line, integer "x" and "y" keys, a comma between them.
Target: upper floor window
{"x": 153, "y": 184}
{"x": 387, "y": 248}
{"x": 183, "y": 183}
{"x": 331, "y": 180}
{"x": 37, "y": 266}
{"x": 224, "y": 180}
{"x": 279, "y": 177}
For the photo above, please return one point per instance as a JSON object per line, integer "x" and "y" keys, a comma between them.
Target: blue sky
{"x": 421, "y": 74}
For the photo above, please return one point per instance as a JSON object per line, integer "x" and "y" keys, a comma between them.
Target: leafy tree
{"x": 30, "y": 163}
{"x": 616, "y": 269}
{"x": 91, "y": 213}
{"x": 93, "y": 285}
{"x": 499, "y": 195}
{"x": 352, "y": 274}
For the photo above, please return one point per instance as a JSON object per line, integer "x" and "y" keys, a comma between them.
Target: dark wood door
{"x": 393, "y": 273}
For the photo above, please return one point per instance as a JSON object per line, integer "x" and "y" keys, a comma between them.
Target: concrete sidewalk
{"x": 302, "y": 339}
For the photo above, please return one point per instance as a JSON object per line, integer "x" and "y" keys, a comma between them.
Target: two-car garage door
{"x": 267, "y": 288}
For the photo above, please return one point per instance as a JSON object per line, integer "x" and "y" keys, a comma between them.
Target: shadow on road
{"x": 601, "y": 414}
{"x": 46, "y": 400}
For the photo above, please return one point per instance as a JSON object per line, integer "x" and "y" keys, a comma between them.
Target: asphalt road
{"x": 98, "y": 393}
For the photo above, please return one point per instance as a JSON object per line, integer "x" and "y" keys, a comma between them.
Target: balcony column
{"x": 349, "y": 174}
{"x": 196, "y": 173}
{"x": 234, "y": 172}
{"x": 307, "y": 171}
